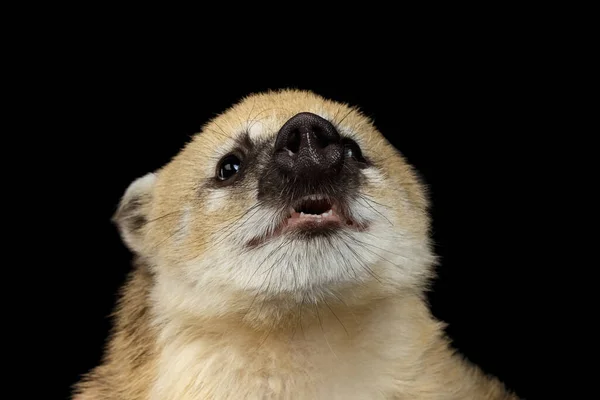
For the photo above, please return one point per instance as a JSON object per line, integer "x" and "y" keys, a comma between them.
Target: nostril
{"x": 308, "y": 146}
{"x": 322, "y": 139}
{"x": 293, "y": 142}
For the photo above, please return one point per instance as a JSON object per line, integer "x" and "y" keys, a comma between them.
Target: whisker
{"x": 345, "y": 262}
{"x": 270, "y": 276}
{"x": 176, "y": 232}
{"x": 361, "y": 261}
{"x": 221, "y": 134}
{"x": 171, "y": 214}
{"x": 345, "y": 116}
{"x": 336, "y": 317}
{"x": 300, "y": 308}
{"x": 370, "y": 198}
{"x": 228, "y": 232}
{"x": 259, "y": 290}
{"x": 373, "y": 208}
{"x": 268, "y": 333}
{"x": 374, "y": 253}
{"x": 323, "y": 330}
{"x": 379, "y": 248}
{"x": 250, "y": 114}
{"x": 255, "y": 119}
{"x": 337, "y": 113}
{"x": 264, "y": 260}
{"x": 222, "y": 130}
{"x": 345, "y": 305}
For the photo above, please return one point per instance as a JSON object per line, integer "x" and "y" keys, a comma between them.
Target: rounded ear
{"x": 131, "y": 215}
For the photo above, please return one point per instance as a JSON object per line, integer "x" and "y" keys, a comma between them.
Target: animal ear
{"x": 132, "y": 214}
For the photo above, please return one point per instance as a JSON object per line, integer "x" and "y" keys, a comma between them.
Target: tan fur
{"x": 195, "y": 322}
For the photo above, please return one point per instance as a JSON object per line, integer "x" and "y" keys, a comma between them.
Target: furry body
{"x": 221, "y": 305}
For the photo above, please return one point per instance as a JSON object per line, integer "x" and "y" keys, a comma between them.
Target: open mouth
{"x": 311, "y": 215}
{"x": 314, "y": 211}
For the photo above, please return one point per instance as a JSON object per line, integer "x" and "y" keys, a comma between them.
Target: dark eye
{"x": 228, "y": 167}
{"x": 352, "y": 150}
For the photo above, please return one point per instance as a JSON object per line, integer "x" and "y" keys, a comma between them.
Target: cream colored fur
{"x": 204, "y": 317}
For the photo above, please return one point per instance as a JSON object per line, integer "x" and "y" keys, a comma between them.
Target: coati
{"x": 284, "y": 253}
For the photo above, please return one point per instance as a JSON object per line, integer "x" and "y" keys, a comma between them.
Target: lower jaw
{"x": 307, "y": 230}
{"x": 311, "y": 225}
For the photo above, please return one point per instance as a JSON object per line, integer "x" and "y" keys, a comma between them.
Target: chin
{"x": 319, "y": 247}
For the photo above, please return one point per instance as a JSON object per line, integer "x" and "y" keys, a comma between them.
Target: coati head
{"x": 285, "y": 198}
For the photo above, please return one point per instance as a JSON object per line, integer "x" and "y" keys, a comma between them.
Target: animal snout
{"x": 308, "y": 147}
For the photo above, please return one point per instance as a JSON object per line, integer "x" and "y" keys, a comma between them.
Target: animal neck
{"x": 344, "y": 313}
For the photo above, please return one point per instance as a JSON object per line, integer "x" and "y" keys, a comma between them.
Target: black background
{"x": 467, "y": 125}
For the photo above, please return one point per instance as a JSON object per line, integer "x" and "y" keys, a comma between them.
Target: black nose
{"x": 308, "y": 147}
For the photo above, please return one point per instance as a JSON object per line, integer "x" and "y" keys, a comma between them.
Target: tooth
{"x": 313, "y": 197}
{"x": 302, "y": 215}
{"x": 319, "y": 197}
{"x": 319, "y": 216}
